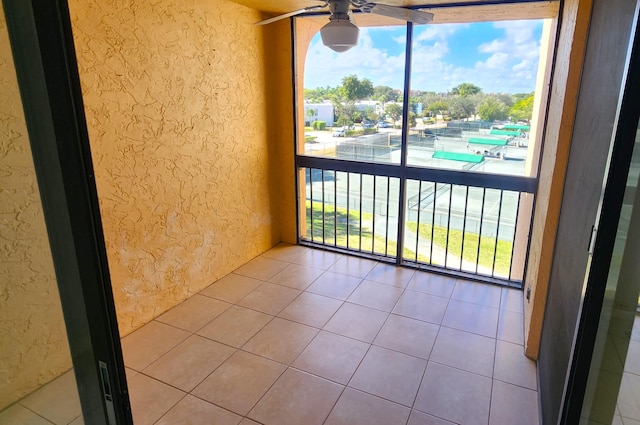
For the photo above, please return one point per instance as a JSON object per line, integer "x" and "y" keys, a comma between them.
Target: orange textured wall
{"x": 33, "y": 340}
{"x": 175, "y": 98}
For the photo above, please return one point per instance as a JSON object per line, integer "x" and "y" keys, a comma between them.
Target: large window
{"x": 420, "y": 142}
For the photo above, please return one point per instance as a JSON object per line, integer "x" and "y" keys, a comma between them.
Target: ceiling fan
{"x": 340, "y": 34}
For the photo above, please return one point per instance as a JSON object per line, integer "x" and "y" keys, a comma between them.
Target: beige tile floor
{"x": 302, "y": 336}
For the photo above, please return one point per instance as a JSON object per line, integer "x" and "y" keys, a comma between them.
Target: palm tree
{"x": 311, "y": 113}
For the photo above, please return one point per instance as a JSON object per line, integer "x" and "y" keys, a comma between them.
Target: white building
{"x": 322, "y": 112}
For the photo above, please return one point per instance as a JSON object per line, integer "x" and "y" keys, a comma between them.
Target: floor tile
{"x": 189, "y": 363}
{"x": 390, "y": 375}
{"x": 334, "y": 285}
{"x": 317, "y": 259}
{"x": 356, "y": 321}
{"x": 247, "y": 421}
{"x": 311, "y": 309}
{"x": 353, "y": 266}
{"x": 472, "y": 318}
{"x": 149, "y": 343}
{"x": 409, "y": 336}
{"x": 235, "y": 326}
{"x": 262, "y": 268}
{"x": 514, "y": 367}
{"x": 194, "y": 312}
{"x": 425, "y": 307}
{"x": 151, "y": 399}
{"x": 391, "y": 275}
{"x": 296, "y": 276}
{"x": 17, "y": 414}
{"x": 194, "y": 411}
{"x": 281, "y": 340}
{"x": 285, "y": 252}
{"x": 434, "y": 284}
{"x": 358, "y": 408}
{"x": 629, "y": 396}
{"x": 297, "y": 398}
{"x": 511, "y": 404}
{"x": 376, "y": 295}
{"x": 477, "y": 293}
{"x": 231, "y": 288}
{"x": 511, "y": 327}
{"x": 455, "y": 395}
{"x": 238, "y": 383}
{"x": 419, "y": 418}
{"x": 632, "y": 359}
{"x": 58, "y": 401}
{"x": 269, "y": 298}
{"x": 332, "y": 356}
{"x": 77, "y": 421}
{"x": 464, "y": 350}
{"x": 511, "y": 300}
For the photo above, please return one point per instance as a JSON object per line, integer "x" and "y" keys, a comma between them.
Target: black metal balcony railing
{"x": 457, "y": 222}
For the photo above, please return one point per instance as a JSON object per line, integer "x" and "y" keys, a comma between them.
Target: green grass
{"x": 360, "y": 238}
{"x": 340, "y": 228}
{"x": 454, "y": 246}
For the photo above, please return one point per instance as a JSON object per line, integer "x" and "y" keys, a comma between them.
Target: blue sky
{"x": 496, "y": 56}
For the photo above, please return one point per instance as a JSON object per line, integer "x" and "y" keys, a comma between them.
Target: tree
{"x": 394, "y": 110}
{"x": 462, "y": 107}
{"x": 465, "y": 89}
{"x": 492, "y": 109}
{"x": 505, "y": 98}
{"x": 439, "y": 107}
{"x": 522, "y": 110}
{"x": 385, "y": 94}
{"x": 353, "y": 89}
{"x": 311, "y": 113}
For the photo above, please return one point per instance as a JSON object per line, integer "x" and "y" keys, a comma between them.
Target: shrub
{"x": 319, "y": 125}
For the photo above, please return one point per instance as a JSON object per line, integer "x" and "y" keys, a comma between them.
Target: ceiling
{"x": 284, "y": 6}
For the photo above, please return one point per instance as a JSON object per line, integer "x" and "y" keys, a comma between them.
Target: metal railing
{"x": 455, "y": 222}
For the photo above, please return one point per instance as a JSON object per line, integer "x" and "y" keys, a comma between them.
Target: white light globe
{"x": 339, "y": 35}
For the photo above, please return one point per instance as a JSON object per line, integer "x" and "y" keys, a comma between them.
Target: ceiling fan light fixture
{"x": 339, "y": 35}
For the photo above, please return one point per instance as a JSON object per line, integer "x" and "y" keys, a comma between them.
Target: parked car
{"x": 367, "y": 125}
{"x": 382, "y": 124}
{"x": 339, "y": 133}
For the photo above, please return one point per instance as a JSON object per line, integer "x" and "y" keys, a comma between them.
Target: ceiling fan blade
{"x": 287, "y": 15}
{"x": 415, "y": 16}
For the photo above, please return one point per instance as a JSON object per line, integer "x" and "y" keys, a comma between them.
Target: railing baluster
{"x": 324, "y": 224}
{"x": 484, "y": 194}
{"x": 513, "y": 237}
{"x": 386, "y": 231}
{"x": 433, "y": 220}
{"x": 335, "y": 208}
{"x": 464, "y": 225}
{"x": 495, "y": 247}
{"x": 348, "y": 204}
{"x": 311, "y": 200}
{"x": 446, "y": 249}
{"x": 373, "y": 239}
{"x": 360, "y": 213}
{"x": 418, "y": 218}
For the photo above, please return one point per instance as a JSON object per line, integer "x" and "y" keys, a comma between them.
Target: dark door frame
{"x": 607, "y": 222}
{"x": 46, "y": 67}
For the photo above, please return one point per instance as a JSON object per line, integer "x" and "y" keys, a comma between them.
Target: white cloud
{"x": 365, "y": 60}
{"x": 507, "y": 62}
{"x": 436, "y": 32}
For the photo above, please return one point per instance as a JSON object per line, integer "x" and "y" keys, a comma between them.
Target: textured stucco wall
{"x": 33, "y": 341}
{"x": 175, "y": 98}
